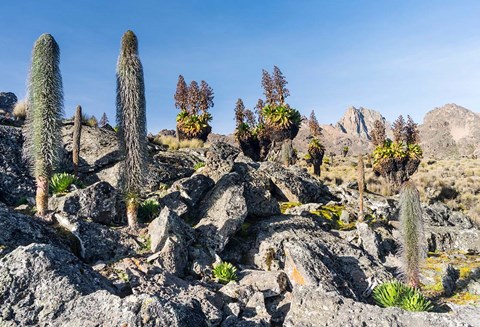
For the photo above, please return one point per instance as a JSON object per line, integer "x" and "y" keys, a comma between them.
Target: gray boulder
{"x": 220, "y": 160}
{"x": 438, "y": 214}
{"x": 98, "y": 242}
{"x": 314, "y": 307}
{"x": 20, "y": 230}
{"x": 192, "y": 189}
{"x": 473, "y": 282}
{"x": 222, "y": 213}
{"x": 453, "y": 239}
{"x": 270, "y": 283}
{"x": 148, "y": 279}
{"x": 43, "y": 285}
{"x": 369, "y": 240}
{"x": 175, "y": 202}
{"x": 258, "y": 191}
{"x": 295, "y": 185}
{"x": 168, "y": 224}
{"x": 170, "y": 238}
{"x": 99, "y": 154}
{"x": 97, "y": 202}
{"x": 15, "y": 180}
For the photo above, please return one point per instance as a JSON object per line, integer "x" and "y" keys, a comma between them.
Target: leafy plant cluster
{"x": 396, "y": 294}
{"x": 281, "y": 116}
{"x": 396, "y": 160}
{"x": 193, "y": 101}
{"x": 61, "y": 182}
{"x": 225, "y": 272}
{"x": 393, "y": 150}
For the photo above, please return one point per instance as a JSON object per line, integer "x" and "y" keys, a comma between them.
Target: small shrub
{"x": 225, "y": 272}
{"x": 60, "y": 182}
{"x": 148, "y": 210}
{"x": 199, "y": 165}
{"x": 396, "y": 294}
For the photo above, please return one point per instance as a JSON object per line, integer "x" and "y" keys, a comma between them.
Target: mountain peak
{"x": 358, "y": 122}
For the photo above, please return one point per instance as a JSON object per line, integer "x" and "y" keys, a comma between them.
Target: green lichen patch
{"x": 332, "y": 214}
{"x": 287, "y": 205}
{"x": 464, "y": 298}
{"x": 434, "y": 267}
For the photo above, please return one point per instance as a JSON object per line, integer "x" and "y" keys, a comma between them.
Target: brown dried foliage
{"x": 315, "y": 129}
{"x": 378, "y": 134}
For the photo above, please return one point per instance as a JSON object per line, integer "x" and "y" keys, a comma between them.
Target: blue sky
{"x": 392, "y": 56}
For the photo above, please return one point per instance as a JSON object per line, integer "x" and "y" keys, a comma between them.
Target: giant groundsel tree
{"x": 44, "y": 117}
{"x": 131, "y": 120}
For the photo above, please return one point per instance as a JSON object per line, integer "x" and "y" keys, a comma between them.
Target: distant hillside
{"x": 450, "y": 131}
{"x": 447, "y": 132}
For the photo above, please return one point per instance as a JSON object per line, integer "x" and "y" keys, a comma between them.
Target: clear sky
{"x": 392, "y": 56}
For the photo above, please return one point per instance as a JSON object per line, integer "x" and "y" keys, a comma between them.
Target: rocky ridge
{"x": 87, "y": 269}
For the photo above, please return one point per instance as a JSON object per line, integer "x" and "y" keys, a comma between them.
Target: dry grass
{"x": 453, "y": 182}
{"x": 173, "y": 143}
{"x": 20, "y": 110}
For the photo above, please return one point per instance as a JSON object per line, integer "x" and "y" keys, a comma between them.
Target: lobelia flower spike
{"x": 44, "y": 115}
{"x": 131, "y": 121}
{"x": 413, "y": 237}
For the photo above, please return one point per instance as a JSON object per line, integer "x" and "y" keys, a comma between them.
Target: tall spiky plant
{"x": 413, "y": 237}
{"x": 44, "y": 117}
{"x": 77, "y": 132}
{"x": 361, "y": 186}
{"x": 131, "y": 120}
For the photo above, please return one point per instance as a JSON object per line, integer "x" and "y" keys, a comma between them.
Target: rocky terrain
{"x": 301, "y": 259}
